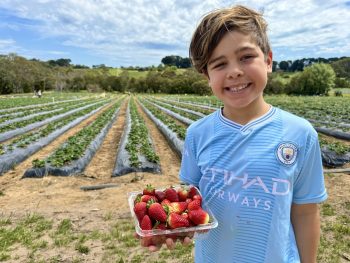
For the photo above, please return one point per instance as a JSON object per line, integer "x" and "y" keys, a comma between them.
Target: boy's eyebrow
{"x": 241, "y": 49}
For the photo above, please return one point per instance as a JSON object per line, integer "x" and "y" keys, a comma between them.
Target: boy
{"x": 258, "y": 167}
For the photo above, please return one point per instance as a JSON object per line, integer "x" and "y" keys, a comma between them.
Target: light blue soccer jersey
{"x": 249, "y": 176}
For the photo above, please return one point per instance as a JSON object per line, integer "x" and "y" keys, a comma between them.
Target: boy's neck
{"x": 246, "y": 115}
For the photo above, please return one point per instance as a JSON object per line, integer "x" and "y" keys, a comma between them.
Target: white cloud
{"x": 148, "y": 30}
{"x": 8, "y": 46}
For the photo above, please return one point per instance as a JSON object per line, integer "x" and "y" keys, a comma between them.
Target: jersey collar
{"x": 250, "y": 124}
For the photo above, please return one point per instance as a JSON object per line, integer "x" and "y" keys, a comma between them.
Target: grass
{"x": 45, "y": 240}
{"x": 335, "y": 237}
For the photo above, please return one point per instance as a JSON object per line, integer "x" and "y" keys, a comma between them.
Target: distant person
{"x": 258, "y": 167}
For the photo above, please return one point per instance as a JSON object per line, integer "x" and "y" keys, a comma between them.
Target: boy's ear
{"x": 269, "y": 62}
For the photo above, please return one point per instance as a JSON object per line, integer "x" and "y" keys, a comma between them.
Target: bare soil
{"x": 61, "y": 197}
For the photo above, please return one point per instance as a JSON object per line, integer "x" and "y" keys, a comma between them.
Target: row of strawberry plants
{"x": 25, "y": 122}
{"x": 8, "y": 115}
{"x": 22, "y": 127}
{"x": 190, "y": 114}
{"x": 334, "y": 153}
{"x": 173, "y": 132}
{"x": 172, "y": 114}
{"x": 24, "y": 146}
{"x": 30, "y": 137}
{"x": 203, "y": 109}
{"x": 9, "y": 102}
{"x": 136, "y": 151}
{"x": 73, "y": 155}
{"x": 166, "y": 119}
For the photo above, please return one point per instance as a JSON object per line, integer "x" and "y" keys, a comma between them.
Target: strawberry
{"x": 197, "y": 197}
{"x": 171, "y": 194}
{"x": 146, "y": 198}
{"x": 192, "y": 192}
{"x": 149, "y": 190}
{"x": 140, "y": 210}
{"x": 185, "y": 215}
{"x": 176, "y": 221}
{"x": 137, "y": 198}
{"x": 182, "y": 194}
{"x": 161, "y": 226}
{"x": 198, "y": 216}
{"x": 146, "y": 223}
{"x": 177, "y": 207}
{"x": 188, "y": 200}
{"x": 160, "y": 195}
{"x": 165, "y": 202}
{"x": 157, "y": 212}
{"x": 194, "y": 205}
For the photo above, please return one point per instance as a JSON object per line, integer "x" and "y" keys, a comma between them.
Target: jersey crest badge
{"x": 287, "y": 153}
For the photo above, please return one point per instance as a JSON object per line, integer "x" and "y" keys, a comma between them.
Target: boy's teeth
{"x": 238, "y": 88}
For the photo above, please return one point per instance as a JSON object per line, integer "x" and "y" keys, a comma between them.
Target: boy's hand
{"x": 154, "y": 243}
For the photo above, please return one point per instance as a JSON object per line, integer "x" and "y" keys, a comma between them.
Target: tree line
{"x": 18, "y": 75}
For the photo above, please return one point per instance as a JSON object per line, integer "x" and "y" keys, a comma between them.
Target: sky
{"x": 140, "y": 33}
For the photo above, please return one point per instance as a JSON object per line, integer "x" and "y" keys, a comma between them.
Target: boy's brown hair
{"x": 216, "y": 24}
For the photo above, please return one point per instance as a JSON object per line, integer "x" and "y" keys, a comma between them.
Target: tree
{"x": 317, "y": 79}
{"x": 342, "y": 68}
{"x": 283, "y": 65}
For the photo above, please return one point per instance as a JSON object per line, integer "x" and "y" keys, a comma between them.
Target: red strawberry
{"x": 198, "y": 216}
{"x": 197, "y": 197}
{"x": 140, "y": 210}
{"x": 149, "y": 190}
{"x": 171, "y": 195}
{"x": 156, "y": 212}
{"x": 192, "y": 192}
{"x": 146, "y": 198}
{"x": 182, "y": 194}
{"x": 177, "y": 207}
{"x": 160, "y": 195}
{"x": 165, "y": 202}
{"x": 176, "y": 221}
{"x": 185, "y": 215}
{"x": 194, "y": 205}
{"x": 161, "y": 226}
{"x": 188, "y": 200}
{"x": 146, "y": 223}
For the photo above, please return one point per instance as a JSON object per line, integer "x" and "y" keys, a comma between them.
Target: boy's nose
{"x": 234, "y": 71}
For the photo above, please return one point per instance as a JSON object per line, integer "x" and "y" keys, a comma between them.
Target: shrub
{"x": 317, "y": 79}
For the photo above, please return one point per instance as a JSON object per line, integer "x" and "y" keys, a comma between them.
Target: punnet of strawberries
{"x": 174, "y": 209}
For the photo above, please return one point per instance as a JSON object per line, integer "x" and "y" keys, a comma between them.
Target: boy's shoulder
{"x": 202, "y": 125}
{"x": 295, "y": 122}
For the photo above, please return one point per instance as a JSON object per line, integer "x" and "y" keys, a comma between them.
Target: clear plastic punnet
{"x": 177, "y": 232}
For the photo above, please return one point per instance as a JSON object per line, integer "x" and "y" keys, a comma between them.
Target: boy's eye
{"x": 247, "y": 57}
{"x": 219, "y": 65}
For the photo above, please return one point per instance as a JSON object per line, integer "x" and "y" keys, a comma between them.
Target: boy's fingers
{"x": 187, "y": 241}
{"x": 153, "y": 248}
{"x": 170, "y": 243}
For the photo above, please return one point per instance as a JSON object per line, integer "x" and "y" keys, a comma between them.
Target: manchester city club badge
{"x": 287, "y": 153}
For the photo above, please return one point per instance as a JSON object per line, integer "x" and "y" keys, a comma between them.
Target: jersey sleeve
{"x": 189, "y": 172}
{"x": 309, "y": 186}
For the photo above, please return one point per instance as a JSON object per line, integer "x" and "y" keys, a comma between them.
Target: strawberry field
{"x": 53, "y": 148}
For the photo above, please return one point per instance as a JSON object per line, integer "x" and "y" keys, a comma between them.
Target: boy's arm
{"x": 306, "y": 224}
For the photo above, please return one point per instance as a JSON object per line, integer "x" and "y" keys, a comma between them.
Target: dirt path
{"x": 59, "y": 197}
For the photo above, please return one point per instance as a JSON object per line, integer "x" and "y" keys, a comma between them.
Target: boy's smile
{"x": 237, "y": 73}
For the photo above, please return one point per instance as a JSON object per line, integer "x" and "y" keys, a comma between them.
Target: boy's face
{"x": 237, "y": 72}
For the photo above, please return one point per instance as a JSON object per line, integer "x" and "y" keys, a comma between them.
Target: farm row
{"x": 27, "y": 127}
